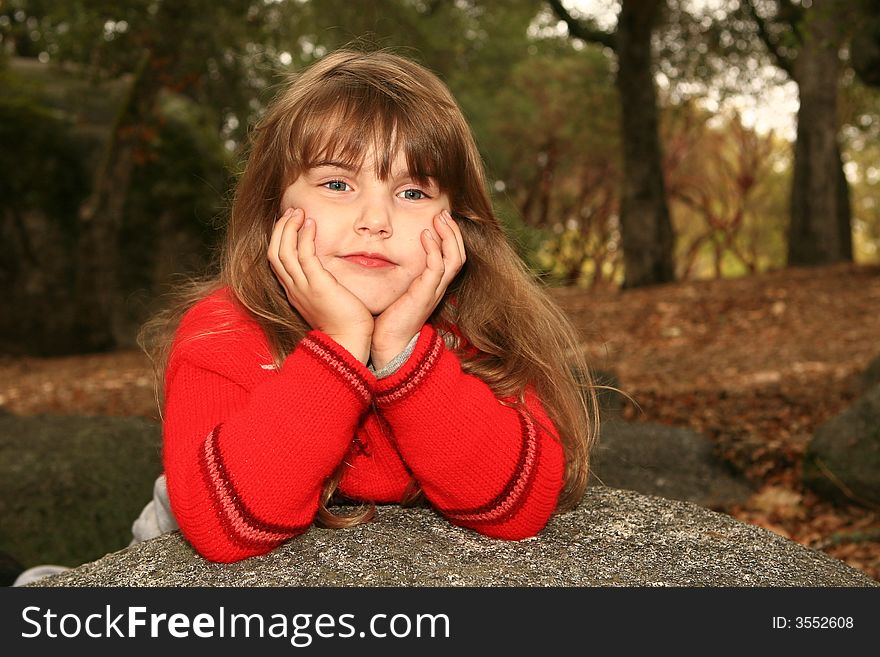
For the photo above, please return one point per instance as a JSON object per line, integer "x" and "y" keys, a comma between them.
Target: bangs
{"x": 346, "y": 121}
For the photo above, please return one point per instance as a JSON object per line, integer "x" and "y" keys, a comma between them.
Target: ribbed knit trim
{"x": 239, "y": 523}
{"x": 517, "y": 489}
{"x": 428, "y": 350}
{"x": 327, "y": 352}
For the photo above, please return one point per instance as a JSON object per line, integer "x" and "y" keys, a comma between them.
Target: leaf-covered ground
{"x": 756, "y": 364}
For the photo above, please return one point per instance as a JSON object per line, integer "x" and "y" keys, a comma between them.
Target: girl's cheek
{"x": 324, "y": 243}
{"x": 320, "y": 249}
{"x": 288, "y": 199}
{"x": 417, "y": 267}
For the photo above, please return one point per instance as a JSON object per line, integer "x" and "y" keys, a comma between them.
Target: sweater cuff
{"x": 340, "y": 362}
{"x": 402, "y": 383}
{"x": 397, "y": 362}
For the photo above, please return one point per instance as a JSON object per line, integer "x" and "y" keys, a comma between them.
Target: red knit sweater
{"x": 248, "y": 447}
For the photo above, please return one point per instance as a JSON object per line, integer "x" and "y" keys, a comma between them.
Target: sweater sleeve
{"x": 481, "y": 462}
{"x": 247, "y": 449}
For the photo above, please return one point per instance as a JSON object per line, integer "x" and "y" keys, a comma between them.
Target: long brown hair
{"x": 352, "y": 103}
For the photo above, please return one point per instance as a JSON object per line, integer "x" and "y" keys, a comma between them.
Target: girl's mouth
{"x": 369, "y": 260}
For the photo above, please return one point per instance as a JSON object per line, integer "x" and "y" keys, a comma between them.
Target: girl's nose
{"x": 374, "y": 219}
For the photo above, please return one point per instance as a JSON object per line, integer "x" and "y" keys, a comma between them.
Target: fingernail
{"x": 445, "y": 216}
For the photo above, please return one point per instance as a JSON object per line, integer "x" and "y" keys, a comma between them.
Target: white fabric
{"x": 37, "y": 572}
{"x": 156, "y": 518}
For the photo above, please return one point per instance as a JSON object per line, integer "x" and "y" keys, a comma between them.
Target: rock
{"x": 871, "y": 375}
{"x": 667, "y": 461}
{"x": 10, "y": 568}
{"x": 71, "y": 486}
{"x": 614, "y": 538}
{"x": 842, "y": 461}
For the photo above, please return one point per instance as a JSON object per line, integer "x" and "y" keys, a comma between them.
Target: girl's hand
{"x": 404, "y": 318}
{"x": 315, "y": 293}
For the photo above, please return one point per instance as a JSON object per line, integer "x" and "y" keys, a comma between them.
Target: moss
{"x": 71, "y": 486}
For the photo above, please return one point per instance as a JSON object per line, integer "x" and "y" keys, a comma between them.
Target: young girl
{"x": 372, "y": 336}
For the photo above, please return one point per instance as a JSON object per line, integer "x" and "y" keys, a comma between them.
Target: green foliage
{"x": 223, "y": 55}
{"x": 544, "y": 110}
{"x": 860, "y": 110}
{"x": 182, "y": 182}
{"x": 42, "y": 162}
{"x": 53, "y": 128}
{"x": 526, "y": 239}
{"x": 71, "y": 486}
{"x": 566, "y": 101}
{"x": 43, "y": 183}
{"x": 554, "y": 145}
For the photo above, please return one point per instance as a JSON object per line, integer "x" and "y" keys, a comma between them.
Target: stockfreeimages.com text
{"x": 300, "y": 629}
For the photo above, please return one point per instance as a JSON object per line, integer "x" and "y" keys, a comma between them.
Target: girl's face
{"x": 367, "y": 228}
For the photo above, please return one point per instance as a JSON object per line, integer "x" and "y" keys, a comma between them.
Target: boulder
{"x": 667, "y": 461}
{"x": 71, "y": 486}
{"x": 614, "y": 538}
{"x": 871, "y": 375}
{"x": 10, "y": 567}
{"x": 842, "y": 461}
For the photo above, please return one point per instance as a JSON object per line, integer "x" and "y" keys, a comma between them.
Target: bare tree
{"x": 805, "y": 43}
{"x": 647, "y": 237}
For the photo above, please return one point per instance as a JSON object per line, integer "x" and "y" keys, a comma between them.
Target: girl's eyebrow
{"x": 334, "y": 164}
{"x": 397, "y": 175}
{"x": 407, "y": 174}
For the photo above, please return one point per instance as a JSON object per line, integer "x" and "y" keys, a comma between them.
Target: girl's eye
{"x": 413, "y": 194}
{"x": 336, "y": 186}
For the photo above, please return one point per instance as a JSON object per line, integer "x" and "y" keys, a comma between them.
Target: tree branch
{"x": 581, "y": 29}
{"x": 782, "y": 61}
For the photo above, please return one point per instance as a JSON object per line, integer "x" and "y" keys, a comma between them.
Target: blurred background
{"x": 698, "y": 182}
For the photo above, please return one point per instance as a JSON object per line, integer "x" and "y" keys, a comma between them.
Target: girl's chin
{"x": 375, "y": 305}
{"x": 376, "y": 309}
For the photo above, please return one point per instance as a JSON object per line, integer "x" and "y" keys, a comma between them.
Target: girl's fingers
{"x": 275, "y": 243}
{"x": 308, "y": 258}
{"x": 452, "y": 245}
{"x": 450, "y": 248}
{"x": 427, "y": 288}
{"x": 459, "y": 240}
{"x": 275, "y": 238}
{"x": 432, "y": 277}
{"x": 288, "y": 248}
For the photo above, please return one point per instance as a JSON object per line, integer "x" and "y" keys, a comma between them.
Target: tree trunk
{"x": 820, "y": 229}
{"x": 35, "y": 314}
{"x": 646, "y": 230}
{"x": 98, "y": 297}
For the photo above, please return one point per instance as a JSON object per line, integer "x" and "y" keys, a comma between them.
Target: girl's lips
{"x": 369, "y": 260}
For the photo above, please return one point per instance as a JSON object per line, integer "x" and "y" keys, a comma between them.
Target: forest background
{"x": 123, "y": 125}
{"x": 631, "y": 146}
